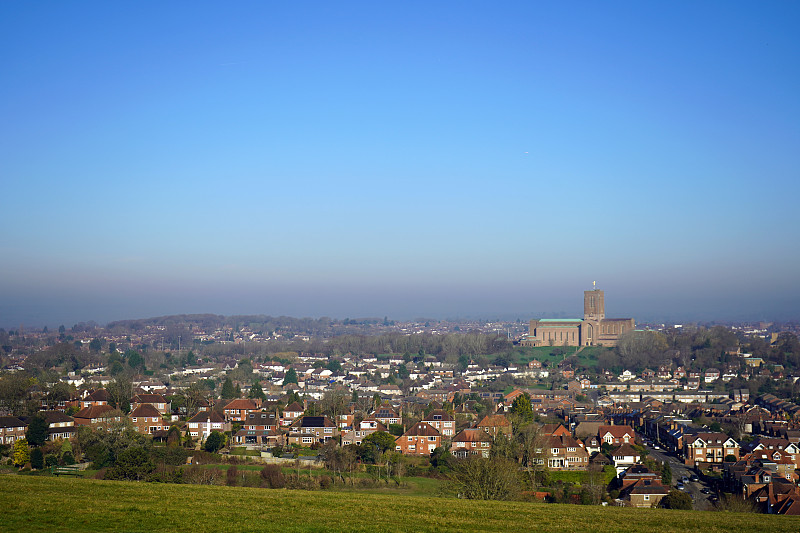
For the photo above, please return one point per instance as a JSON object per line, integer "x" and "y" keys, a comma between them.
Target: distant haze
{"x": 442, "y": 159}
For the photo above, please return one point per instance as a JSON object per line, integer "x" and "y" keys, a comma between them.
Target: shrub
{"x": 37, "y": 458}
{"x": 272, "y": 477}
{"x": 198, "y": 475}
{"x": 231, "y": 476}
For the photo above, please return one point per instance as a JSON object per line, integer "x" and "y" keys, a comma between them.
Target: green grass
{"x": 587, "y": 356}
{"x": 64, "y": 505}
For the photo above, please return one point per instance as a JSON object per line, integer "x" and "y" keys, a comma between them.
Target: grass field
{"x": 587, "y": 356}
{"x": 31, "y": 503}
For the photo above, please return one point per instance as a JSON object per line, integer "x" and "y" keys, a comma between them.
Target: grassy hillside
{"x": 47, "y": 504}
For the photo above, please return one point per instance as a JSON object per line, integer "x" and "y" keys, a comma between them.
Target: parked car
{"x": 705, "y": 491}
{"x": 694, "y": 478}
{"x": 680, "y": 485}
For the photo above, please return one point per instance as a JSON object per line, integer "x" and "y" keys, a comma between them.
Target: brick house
{"x": 443, "y": 421}
{"x": 386, "y": 415}
{"x": 644, "y": 493}
{"x": 147, "y": 419}
{"x": 704, "y": 448}
{"x": 11, "y": 429}
{"x": 237, "y": 410}
{"x": 420, "y": 439}
{"x": 308, "y": 430}
{"x": 156, "y": 400}
{"x": 292, "y": 412}
{"x": 471, "y": 441}
{"x": 495, "y": 425}
{"x": 97, "y": 415}
{"x": 95, "y": 398}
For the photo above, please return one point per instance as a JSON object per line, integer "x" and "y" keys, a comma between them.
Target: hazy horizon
{"x": 358, "y": 159}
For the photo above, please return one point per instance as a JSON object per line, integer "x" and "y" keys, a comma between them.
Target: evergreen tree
{"x": 214, "y": 442}
{"x": 522, "y": 408}
{"x": 37, "y": 458}
{"x": 36, "y": 434}
{"x": 291, "y": 377}
{"x": 256, "y": 392}
{"x": 228, "y": 392}
{"x": 666, "y": 473}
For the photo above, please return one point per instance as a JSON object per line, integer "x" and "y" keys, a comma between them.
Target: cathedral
{"x": 594, "y": 329}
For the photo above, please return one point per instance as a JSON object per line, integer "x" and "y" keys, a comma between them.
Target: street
{"x": 679, "y": 471}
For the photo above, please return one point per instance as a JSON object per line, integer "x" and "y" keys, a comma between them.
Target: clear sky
{"x": 436, "y": 159}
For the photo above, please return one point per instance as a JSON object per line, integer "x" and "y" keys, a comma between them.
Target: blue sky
{"x": 363, "y": 159}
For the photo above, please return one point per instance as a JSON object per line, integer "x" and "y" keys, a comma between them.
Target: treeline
{"x": 695, "y": 348}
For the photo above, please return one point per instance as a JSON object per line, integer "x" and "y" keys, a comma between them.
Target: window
{"x": 133, "y": 419}
{"x": 308, "y": 440}
{"x": 431, "y": 439}
{"x": 646, "y": 497}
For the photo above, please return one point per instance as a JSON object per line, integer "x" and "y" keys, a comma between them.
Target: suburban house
{"x": 11, "y": 429}
{"x": 97, "y": 415}
{"x": 261, "y": 421}
{"x": 156, "y": 400}
{"x": 471, "y": 441}
{"x": 292, "y": 412}
{"x": 564, "y": 453}
{"x": 386, "y": 415}
{"x": 623, "y": 457}
{"x": 443, "y": 421}
{"x": 310, "y": 429}
{"x": 259, "y": 437}
{"x": 59, "y": 425}
{"x": 237, "y": 410}
{"x": 708, "y": 448}
{"x": 644, "y": 493}
{"x": 616, "y": 435}
{"x": 495, "y": 425}
{"x": 420, "y": 439}
{"x": 95, "y": 398}
{"x": 147, "y": 419}
{"x": 203, "y": 423}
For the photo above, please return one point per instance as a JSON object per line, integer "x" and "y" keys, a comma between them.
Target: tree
{"x": 486, "y": 479}
{"x": 214, "y": 442}
{"x": 133, "y": 464}
{"x": 666, "y": 473}
{"x": 334, "y": 402}
{"x": 37, "y": 459}
{"x": 256, "y": 391}
{"x": 677, "y": 499}
{"x": 291, "y": 377}
{"x": 228, "y": 392}
{"x": 522, "y": 409}
{"x": 135, "y": 360}
{"x": 95, "y": 345}
{"x": 21, "y": 452}
{"x": 442, "y": 459}
{"x": 120, "y": 392}
{"x": 380, "y": 439}
{"x": 36, "y": 434}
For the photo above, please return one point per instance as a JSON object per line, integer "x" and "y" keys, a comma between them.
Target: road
{"x": 679, "y": 471}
